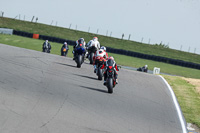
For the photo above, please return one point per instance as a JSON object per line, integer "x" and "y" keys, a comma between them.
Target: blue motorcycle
{"x": 79, "y": 56}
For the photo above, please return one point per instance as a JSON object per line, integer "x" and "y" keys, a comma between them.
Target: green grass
{"x": 188, "y": 98}
{"x": 106, "y": 41}
{"x": 36, "y": 44}
{"x": 29, "y": 43}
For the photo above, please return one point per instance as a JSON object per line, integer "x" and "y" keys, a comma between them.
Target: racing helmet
{"x": 95, "y": 39}
{"x": 46, "y": 41}
{"x": 82, "y": 39}
{"x": 104, "y": 48}
{"x": 145, "y": 66}
{"x": 65, "y": 43}
{"x": 112, "y": 58}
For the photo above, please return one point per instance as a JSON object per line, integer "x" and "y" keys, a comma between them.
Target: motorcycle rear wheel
{"x": 91, "y": 58}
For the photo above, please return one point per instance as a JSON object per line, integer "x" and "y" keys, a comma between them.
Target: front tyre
{"x": 79, "y": 61}
{"x": 110, "y": 85}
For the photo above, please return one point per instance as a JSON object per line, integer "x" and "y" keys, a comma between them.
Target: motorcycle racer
{"x": 93, "y": 42}
{"x": 110, "y": 62}
{"x": 66, "y": 47}
{"x": 46, "y": 45}
{"x": 79, "y": 43}
{"x": 99, "y": 55}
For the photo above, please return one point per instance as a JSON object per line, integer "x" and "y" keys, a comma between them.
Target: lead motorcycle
{"x": 79, "y": 56}
{"x": 91, "y": 52}
{"x": 110, "y": 81}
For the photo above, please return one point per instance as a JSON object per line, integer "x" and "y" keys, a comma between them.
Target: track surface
{"x": 44, "y": 93}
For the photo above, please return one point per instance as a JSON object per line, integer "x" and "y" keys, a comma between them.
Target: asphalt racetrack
{"x": 45, "y": 93}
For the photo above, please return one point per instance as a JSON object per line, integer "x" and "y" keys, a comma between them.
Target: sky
{"x": 173, "y": 22}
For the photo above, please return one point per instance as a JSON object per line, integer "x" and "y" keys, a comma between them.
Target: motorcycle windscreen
{"x": 80, "y": 50}
{"x": 80, "y": 41}
{"x": 110, "y": 63}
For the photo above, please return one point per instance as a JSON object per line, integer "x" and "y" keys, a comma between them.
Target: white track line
{"x": 182, "y": 120}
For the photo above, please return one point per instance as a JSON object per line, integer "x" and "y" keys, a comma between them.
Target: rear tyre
{"x": 110, "y": 85}
{"x": 100, "y": 74}
{"x": 91, "y": 57}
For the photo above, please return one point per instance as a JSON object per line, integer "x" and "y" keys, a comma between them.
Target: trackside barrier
{"x": 6, "y": 31}
{"x": 43, "y": 37}
{"x": 117, "y": 51}
{"x": 36, "y": 36}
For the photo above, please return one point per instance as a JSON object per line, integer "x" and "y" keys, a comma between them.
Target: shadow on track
{"x": 65, "y": 64}
{"x": 94, "y": 89}
{"x": 86, "y": 76}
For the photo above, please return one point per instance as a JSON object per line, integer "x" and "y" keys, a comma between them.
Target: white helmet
{"x": 100, "y": 53}
{"x": 104, "y": 48}
{"x": 95, "y": 39}
{"x": 46, "y": 41}
{"x": 146, "y": 66}
{"x": 65, "y": 42}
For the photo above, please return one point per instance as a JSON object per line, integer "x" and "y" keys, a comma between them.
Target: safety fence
{"x": 113, "y": 50}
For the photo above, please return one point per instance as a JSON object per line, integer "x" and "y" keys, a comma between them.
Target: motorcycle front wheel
{"x": 110, "y": 85}
{"x": 79, "y": 61}
{"x": 100, "y": 74}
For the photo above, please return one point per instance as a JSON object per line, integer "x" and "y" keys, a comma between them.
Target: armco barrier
{"x": 154, "y": 58}
{"x": 117, "y": 51}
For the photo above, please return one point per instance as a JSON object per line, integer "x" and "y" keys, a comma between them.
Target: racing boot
{"x": 95, "y": 68}
{"x": 116, "y": 81}
{"x": 104, "y": 82}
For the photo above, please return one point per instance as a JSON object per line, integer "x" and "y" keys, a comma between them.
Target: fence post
{"x": 142, "y": 40}
{"x": 70, "y": 26}
{"x": 129, "y": 37}
{"x": 51, "y": 22}
{"x": 181, "y": 48}
{"x": 32, "y": 18}
{"x": 2, "y": 14}
{"x": 122, "y": 36}
{"x": 36, "y": 19}
{"x": 194, "y": 50}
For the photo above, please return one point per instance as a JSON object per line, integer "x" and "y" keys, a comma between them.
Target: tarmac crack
{"x": 55, "y": 113}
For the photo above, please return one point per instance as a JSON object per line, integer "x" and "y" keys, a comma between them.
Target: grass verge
{"x": 188, "y": 98}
